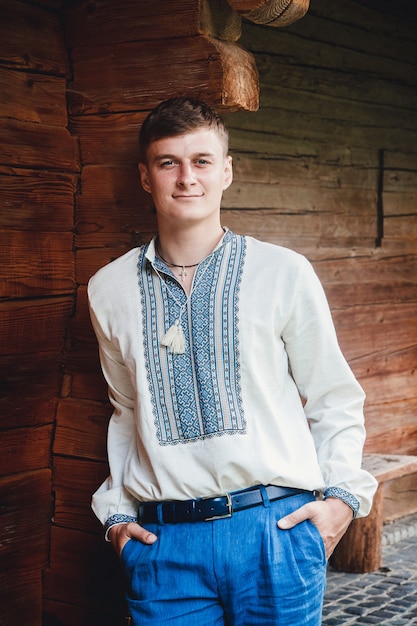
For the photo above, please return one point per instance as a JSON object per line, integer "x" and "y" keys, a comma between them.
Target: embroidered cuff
{"x": 117, "y": 518}
{"x": 345, "y": 496}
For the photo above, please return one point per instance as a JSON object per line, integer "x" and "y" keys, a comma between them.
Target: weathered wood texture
{"x": 328, "y": 166}
{"x": 38, "y": 161}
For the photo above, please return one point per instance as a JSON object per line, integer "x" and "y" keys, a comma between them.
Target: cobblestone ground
{"x": 387, "y": 597}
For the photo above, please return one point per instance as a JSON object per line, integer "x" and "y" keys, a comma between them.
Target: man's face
{"x": 186, "y": 176}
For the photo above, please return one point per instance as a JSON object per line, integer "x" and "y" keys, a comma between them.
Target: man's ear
{"x": 144, "y": 177}
{"x": 228, "y": 172}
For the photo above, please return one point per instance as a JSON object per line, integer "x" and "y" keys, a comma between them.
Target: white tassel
{"x": 174, "y": 339}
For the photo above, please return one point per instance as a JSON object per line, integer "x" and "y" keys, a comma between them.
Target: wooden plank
{"x": 85, "y": 569}
{"x": 33, "y": 98}
{"x": 21, "y": 597}
{"x": 23, "y": 450}
{"x": 385, "y": 467}
{"x": 80, "y": 329}
{"x": 31, "y": 38}
{"x": 86, "y": 436}
{"x": 36, "y": 264}
{"x": 110, "y": 139}
{"x": 31, "y": 325}
{"x": 91, "y": 260}
{"x": 388, "y": 376}
{"x": 36, "y": 200}
{"x": 89, "y": 386}
{"x": 29, "y": 389}
{"x": 376, "y": 23}
{"x": 368, "y": 278}
{"x": 392, "y": 426}
{"x": 221, "y": 71}
{"x": 36, "y": 145}
{"x": 400, "y": 228}
{"x": 74, "y": 482}
{"x": 366, "y": 330}
{"x": 275, "y": 226}
{"x": 25, "y": 512}
{"x": 299, "y": 45}
{"x": 307, "y": 120}
{"x": 362, "y": 117}
{"x": 112, "y": 203}
{"x": 343, "y": 87}
{"x": 400, "y": 497}
{"x": 104, "y": 21}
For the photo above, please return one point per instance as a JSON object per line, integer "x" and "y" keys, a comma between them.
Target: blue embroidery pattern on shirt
{"x": 197, "y": 394}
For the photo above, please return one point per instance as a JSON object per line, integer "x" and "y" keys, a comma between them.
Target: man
{"x": 236, "y": 439}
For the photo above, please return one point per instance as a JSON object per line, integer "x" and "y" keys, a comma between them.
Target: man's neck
{"x": 188, "y": 246}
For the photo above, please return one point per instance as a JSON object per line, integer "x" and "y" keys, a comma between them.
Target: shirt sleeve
{"x": 333, "y": 399}
{"x": 112, "y": 500}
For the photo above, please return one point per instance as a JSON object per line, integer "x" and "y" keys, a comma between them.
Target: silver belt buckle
{"x": 229, "y": 509}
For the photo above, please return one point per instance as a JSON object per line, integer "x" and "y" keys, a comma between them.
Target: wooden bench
{"x": 360, "y": 550}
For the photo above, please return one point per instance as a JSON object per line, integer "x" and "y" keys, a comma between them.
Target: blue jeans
{"x": 239, "y": 571}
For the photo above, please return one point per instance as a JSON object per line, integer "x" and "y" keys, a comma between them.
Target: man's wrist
{"x": 346, "y": 497}
{"x": 116, "y": 519}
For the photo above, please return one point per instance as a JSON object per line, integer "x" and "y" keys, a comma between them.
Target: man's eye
{"x": 202, "y": 162}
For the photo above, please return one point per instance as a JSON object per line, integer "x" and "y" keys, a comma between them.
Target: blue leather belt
{"x": 207, "y": 509}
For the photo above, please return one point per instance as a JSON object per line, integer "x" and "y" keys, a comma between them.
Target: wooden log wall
{"x": 328, "y": 167}
{"x": 38, "y": 165}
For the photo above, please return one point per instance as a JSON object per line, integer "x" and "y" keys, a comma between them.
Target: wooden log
{"x": 86, "y": 437}
{"x": 36, "y": 264}
{"x": 31, "y": 38}
{"x": 385, "y": 434}
{"x": 25, "y": 451}
{"x": 271, "y": 12}
{"x": 364, "y": 25}
{"x": 36, "y": 200}
{"x": 108, "y": 139}
{"x": 112, "y": 203}
{"x": 375, "y": 329}
{"x": 36, "y": 145}
{"x": 74, "y": 482}
{"x": 91, "y": 260}
{"x": 352, "y": 280}
{"x": 277, "y": 227}
{"x": 33, "y": 98}
{"x": 91, "y": 25}
{"x": 221, "y": 72}
{"x": 26, "y": 507}
{"x": 342, "y": 48}
{"x": 45, "y": 318}
{"x": 278, "y": 71}
{"x": 21, "y": 597}
{"x": 29, "y": 392}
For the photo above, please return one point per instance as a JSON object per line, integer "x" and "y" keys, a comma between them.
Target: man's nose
{"x": 186, "y": 175}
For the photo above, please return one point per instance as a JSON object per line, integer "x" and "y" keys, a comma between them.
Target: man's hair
{"x": 178, "y": 116}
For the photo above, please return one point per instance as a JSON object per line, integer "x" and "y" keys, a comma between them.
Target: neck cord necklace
{"x": 174, "y": 338}
{"x": 183, "y": 267}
